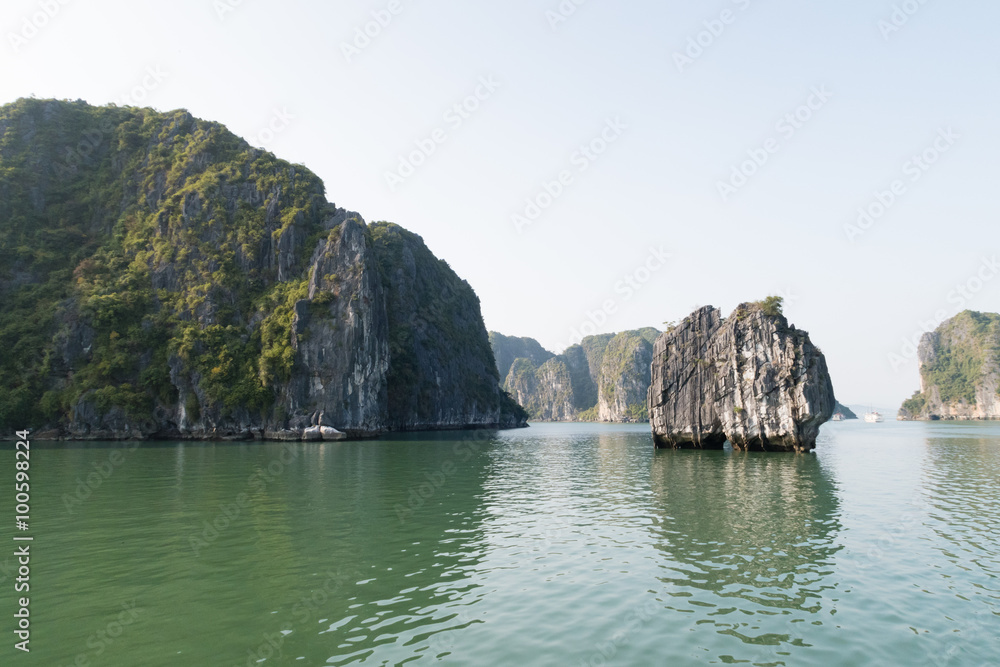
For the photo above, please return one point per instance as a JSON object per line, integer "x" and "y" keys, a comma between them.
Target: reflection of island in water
{"x": 317, "y": 555}
{"x": 747, "y": 540}
{"x": 410, "y": 525}
{"x": 960, "y": 476}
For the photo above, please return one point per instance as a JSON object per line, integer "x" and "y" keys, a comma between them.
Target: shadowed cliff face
{"x": 442, "y": 372}
{"x": 959, "y": 371}
{"x": 750, "y": 379}
{"x": 159, "y": 277}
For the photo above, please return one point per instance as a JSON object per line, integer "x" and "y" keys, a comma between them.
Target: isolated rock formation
{"x": 959, "y": 371}
{"x": 751, "y": 379}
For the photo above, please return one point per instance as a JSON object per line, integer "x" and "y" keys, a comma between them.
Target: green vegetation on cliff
{"x": 546, "y": 391}
{"x": 593, "y": 348}
{"x": 957, "y": 369}
{"x": 507, "y": 349}
{"x": 916, "y": 404}
{"x": 150, "y": 260}
{"x": 956, "y": 361}
{"x": 625, "y": 376}
{"x": 619, "y": 358}
{"x": 98, "y": 228}
{"x": 773, "y": 306}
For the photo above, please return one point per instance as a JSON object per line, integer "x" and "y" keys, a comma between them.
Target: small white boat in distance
{"x": 873, "y": 417}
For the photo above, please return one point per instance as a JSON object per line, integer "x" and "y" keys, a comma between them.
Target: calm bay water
{"x": 556, "y": 545}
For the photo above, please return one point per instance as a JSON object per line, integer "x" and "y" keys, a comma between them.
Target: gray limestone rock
{"x": 750, "y": 379}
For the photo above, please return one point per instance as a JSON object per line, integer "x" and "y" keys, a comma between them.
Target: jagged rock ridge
{"x": 751, "y": 380}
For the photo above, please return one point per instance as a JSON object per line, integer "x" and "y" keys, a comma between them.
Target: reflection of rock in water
{"x": 371, "y": 521}
{"x": 961, "y": 473}
{"x": 747, "y": 540}
{"x": 619, "y": 465}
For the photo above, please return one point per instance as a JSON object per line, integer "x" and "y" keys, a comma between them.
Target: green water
{"x": 556, "y": 545}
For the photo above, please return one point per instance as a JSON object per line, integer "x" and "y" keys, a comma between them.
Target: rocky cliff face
{"x": 593, "y": 348}
{"x": 340, "y": 338}
{"x": 959, "y": 371}
{"x": 443, "y": 373}
{"x": 545, "y": 391}
{"x": 159, "y": 277}
{"x": 604, "y": 378}
{"x": 750, "y": 379}
{"x": 625, "y": 378}
{"x": 582, "y": 378}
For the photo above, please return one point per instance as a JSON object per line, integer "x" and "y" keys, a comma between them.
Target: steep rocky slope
{"x": 442, "y": 371}
{"x": 604, "y": 378}
{"x": 545, "y": 391}
{"x": 159, "y": 277}
{"x": 624, "y": 379}
{"x": 750, "y": 379}
{"x": 507, "y": 349}
{"x": 959, "y": 370}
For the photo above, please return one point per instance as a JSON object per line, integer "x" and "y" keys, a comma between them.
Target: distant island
{"x": 959, "y": 371}
{"x": 605, "y": 378}
{"x": 161, "y": 278}
{"x": 845, "y": 412}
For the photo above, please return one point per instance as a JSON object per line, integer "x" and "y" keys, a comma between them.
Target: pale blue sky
{"x": 675, "y": 133}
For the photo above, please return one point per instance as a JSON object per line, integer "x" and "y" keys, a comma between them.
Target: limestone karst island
{"x": 555, "y": 333}
{"x": 181, "y": 284}
{"x": 164, "y": 279}
{"x": 959, "y": 371}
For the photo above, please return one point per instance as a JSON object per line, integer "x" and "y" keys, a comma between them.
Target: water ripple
{"x": 562, "y": 544}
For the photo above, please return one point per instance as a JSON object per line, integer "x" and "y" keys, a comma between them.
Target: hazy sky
{"x": 618, "y": 121}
